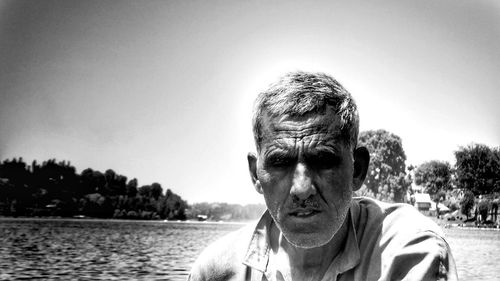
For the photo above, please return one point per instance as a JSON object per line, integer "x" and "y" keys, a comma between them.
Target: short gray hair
{"x": 300, "y": 93}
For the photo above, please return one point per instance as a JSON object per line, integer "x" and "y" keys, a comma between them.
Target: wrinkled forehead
{"x": 325, "y": 126}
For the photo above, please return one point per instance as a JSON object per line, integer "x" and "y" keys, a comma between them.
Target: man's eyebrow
{"x": 335, "y": 150}
{"x": 279, "y": 151}
{"x": 327, "y": 148}
{"x": 333, "y": 141}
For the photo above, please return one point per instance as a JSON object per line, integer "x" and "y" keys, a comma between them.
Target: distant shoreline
{"x": 469, "y": 225}
{"x": 207, "y": 222}
{"x": 89, "y": 219}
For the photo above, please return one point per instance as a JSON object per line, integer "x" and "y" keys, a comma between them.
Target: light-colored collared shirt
{"x": 384, "y": 242}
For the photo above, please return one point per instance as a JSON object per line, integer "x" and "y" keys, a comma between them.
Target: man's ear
{"x": 361, "y": 162}
{"x": 252, "y": 168}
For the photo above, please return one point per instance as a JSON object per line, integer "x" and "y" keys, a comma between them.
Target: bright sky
{"x": 163, "y": 90}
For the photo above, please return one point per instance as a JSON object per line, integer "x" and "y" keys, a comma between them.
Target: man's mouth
{"x": 304, "y": 213}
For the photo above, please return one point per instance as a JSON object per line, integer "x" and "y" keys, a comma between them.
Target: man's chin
{"x": 309, "y": 231}
{"x": 307, "y": 240}
{"x": 307, "y": 235}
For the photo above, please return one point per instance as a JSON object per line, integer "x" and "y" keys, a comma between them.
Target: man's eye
{"x": 279, "y": 161}
{"x": 324, "y": 161}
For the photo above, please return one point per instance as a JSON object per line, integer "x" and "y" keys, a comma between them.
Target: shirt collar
{"x": 257, "y": 255}
{"x": 258, "y": 251}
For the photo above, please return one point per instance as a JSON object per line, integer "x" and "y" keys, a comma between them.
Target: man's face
{"x": 305, "y": 173}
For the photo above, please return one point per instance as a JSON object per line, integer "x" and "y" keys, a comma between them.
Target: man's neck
{"x": 305, "y": 264}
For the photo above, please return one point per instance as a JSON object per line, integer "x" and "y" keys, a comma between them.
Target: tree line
{"x": 476, "y": 173}
{"x": 474, "y": 180}
{"x": 54, "y": 188}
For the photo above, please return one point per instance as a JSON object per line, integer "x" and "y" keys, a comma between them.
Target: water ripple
{"x": 47, "y": 249}
{"x": 101, "y": 250}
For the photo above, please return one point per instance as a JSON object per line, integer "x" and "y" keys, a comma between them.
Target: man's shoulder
{"x": 402, "y": 241}
{"x": 223, "y": 259}
{"x": 398, "y": 217}
{"x": 392, "y": 225}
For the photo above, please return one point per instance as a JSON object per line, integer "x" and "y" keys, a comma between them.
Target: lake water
{"x": 152, "y": 250}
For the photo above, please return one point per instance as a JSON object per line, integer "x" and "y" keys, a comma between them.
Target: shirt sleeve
{"x": 426, "y": 256}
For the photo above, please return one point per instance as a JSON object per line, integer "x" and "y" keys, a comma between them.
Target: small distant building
{"x": 202, "y": 217}
{"x": 423, "y": 202}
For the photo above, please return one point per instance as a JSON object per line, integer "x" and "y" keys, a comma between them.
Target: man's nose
{"x": 302, "y": 185}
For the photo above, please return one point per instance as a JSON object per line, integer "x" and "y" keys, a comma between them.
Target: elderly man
{"x": 307, "y": 166}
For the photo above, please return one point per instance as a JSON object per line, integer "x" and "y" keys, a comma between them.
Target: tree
{"x": 87, "y": 184}
{"x": 16, "y": 177}
{"x": 96, "y": 205}
{"x": 99, "y": 182}
{"x": 467, "y": 203}
{"x": 478, "y": 168}
{"x": 131, "y": 188}
{"x": 172, "y": 206}
{"x": 156, "y": 190}
{"x": 386, "y": 176}
{"x": 115, "y": 183}
{"x": 496, "y": 160}
{"x": 435, "y": 176}
{"x": 145, "y": 191}
{"x": 483, "y": 208}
